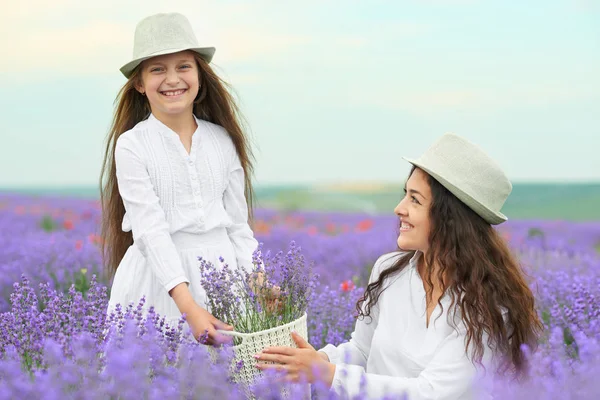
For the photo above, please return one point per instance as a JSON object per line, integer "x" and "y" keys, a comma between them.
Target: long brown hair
{"x": 214, "y": 103}
{"x": 482, "y": 276}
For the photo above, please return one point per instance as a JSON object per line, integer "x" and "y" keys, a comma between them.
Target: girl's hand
{"x": 301, "y": 363}
{"x": 203, "y": 324}
{"x": 204, "y": 327}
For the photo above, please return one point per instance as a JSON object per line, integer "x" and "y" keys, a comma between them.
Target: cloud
{"x": 432, "y": 102}
{"x": 66, "y": 37}
{"x": 33, "y": 9}
{"x": 585, "y": 5}
{"x": 96, "y": 42}
{"x": 419, "y": 102}
{"x": 87, "y": 49}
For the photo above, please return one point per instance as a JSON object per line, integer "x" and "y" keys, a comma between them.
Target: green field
{"x": 576, "y": 202}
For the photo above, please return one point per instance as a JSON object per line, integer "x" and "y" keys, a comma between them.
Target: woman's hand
{"x": 303, "y": 363}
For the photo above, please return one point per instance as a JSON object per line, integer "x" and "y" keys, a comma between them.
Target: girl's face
{"x": 170, "y": 83}
{"x": 413, "y": 211}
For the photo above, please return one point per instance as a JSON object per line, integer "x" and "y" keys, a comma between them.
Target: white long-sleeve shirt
{"x": 396, "y": 353}
{"x": 167, "y": 191}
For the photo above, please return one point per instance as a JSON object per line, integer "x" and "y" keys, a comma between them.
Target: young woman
{"x": 449, "y": 306}
{"x": 176, "y": 176}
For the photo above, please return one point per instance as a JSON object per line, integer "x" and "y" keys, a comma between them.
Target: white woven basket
{"x": 254, "y": 343}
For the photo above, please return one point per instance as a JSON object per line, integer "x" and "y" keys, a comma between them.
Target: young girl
{"x": 176, "y": 177}
{"x": 450, "y": 305}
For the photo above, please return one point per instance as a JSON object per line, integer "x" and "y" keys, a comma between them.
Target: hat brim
{"x": 490, "y": 216}
{"x": 205, "y": 52}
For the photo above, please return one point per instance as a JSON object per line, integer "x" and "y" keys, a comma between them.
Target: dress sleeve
{"x": 356, "y": 351}
{"x": 148, "y": 223}
{"x": 449, "y": 376}
{"x": 236, "y": 207}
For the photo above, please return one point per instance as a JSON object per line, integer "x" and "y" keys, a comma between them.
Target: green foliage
{"x": 79, "y": 279}
{"x": 535, "y": 232}
{"x": 48, "y": 224}
{"x": 546, "y": 317}
{"x": 570, "y": 343}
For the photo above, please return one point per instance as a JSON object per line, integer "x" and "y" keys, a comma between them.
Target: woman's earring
{"x": 143, "y": 93}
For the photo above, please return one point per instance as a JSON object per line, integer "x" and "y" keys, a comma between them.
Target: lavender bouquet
{"x": 263, "y": 305}
{"x": 277, "y": 291}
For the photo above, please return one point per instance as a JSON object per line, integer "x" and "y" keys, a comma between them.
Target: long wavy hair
{"x": 214, "y": 103}
{"x": 477, "y": 269}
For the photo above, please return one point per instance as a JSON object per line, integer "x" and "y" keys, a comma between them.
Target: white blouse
{"x": 166, "y": 190}
{"x": 396, "y": 353}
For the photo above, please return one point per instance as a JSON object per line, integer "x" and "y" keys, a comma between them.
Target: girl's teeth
{"x": 175, "y": 93}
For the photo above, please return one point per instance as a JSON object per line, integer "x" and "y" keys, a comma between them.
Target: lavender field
{"x": 56, "y": 343}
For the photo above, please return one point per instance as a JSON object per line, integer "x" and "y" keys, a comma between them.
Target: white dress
{"x": 395, "y": 353}
{"x": 179, "y": 207}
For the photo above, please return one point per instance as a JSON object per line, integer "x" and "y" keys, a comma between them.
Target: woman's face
{"x": 413, "y": 211}
{"x": 170, "y": 82}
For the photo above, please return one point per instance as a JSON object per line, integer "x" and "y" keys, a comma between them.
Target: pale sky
{"x": 333, "y": 90}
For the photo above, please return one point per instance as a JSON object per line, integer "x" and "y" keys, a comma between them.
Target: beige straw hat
{"x": 161, "y": 34}
{"x": 468, "y": 173}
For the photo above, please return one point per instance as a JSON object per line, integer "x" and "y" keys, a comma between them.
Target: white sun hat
{"x": 469, "y": 173}
{"x": 164, "y": 33}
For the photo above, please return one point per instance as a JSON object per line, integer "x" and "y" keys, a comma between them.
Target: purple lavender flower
{"x": 57, "y": 342}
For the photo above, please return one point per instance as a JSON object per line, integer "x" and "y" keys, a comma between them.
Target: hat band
{"x": 163, "y": 51}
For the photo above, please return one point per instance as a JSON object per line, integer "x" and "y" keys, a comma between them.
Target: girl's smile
{"x": 173, "y": 94}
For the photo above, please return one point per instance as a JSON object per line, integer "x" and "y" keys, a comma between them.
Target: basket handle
{"x": 243, "y": 336}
